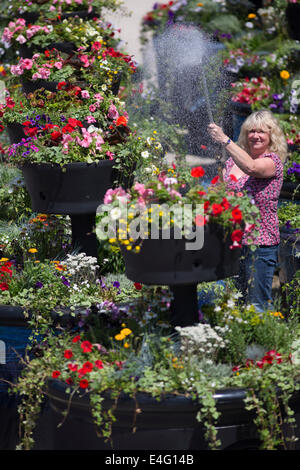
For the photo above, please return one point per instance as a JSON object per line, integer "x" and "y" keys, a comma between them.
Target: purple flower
{"x": 116, "y": 284}
{"x": 65, "y": 281}
{"x": 39, "y": 285}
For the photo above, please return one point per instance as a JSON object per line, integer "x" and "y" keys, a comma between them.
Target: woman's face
{"x": 258, "y": 141}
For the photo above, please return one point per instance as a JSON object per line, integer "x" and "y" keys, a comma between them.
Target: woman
{"x": 255, "y": 166}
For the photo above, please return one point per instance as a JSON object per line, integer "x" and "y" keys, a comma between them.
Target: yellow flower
{"x": 119, "y": 337}
{"x": 32, "y": 250}
{"x": 3, "y": 260}
{"x": 126, "y": 331}
{"x": 284, "y": 74}
{"x": 251, "y": 16}
{"x": 126, "y": 345}
{"x": 199, "y": 4}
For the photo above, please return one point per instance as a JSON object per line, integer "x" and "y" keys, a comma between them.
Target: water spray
{"x": 211, "y": 118}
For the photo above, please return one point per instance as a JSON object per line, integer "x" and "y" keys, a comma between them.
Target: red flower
{"x": 216, "y": 209}
{"x": 56, "y": 135}
{"x": 99, "y": 364}
{"x": 203, "y": 147}
{"x": 86, "y": 346}
{"x": 201, "y": 193}
{"x": 88, "y": 366}
{"x": 138, "y": 286}
{"x": 237, "y": 215}
{"x": 237, "y": 235}
{"x": 225, "y": 204}
{"x": 76, "y": 339}
{"x": 206, "y": 206}
{"x": 69, "y": 381}
{"x": 200, "y": 220}
{"x": 197, "y": 172}
{"x": 68, "y": 129}
{"x": 61, "y": 85}
{"x": 55, "y": 374}
{"x": 73, "y": 367}
{"x": 215, "y": 180}
{"x": 83, "y": 383}
{"x": 74, "y": 122}
{"x": 3, "y": 286}
{"x": 68, "y": 354}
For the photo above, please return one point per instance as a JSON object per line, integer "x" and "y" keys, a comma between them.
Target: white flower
{"x": 249, "y": 25}
{"x": 115, "y": 213}
{"x": 92, "y": 129}
{"x": 145, "y": 154}
{"x": 104, "y": 87}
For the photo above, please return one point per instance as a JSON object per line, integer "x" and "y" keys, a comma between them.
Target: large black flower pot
{"x": 76, "y": 190}
{"x": 169, "y": 262}
{"x": 167, "y": 424}
{"x": 293, "y": 20}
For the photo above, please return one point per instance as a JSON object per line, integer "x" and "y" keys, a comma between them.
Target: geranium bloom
{"x": 237, "y": 215}
{"x": 55, "y": 374}
{"x": 99, "y": 364}
{"x": 237, "y": 235}
{"x": 68, "y": 354}
{"x": 197, "y": 172}
{"x": 121, "y": 121}
{"x": 86, "y": 346}
{"x": 83, "y": 383}
{"x": 215, "y": 180}
{"x": 216, "y": 209}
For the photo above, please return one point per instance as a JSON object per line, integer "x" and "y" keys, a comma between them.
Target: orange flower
{"x": 121, "y": 121}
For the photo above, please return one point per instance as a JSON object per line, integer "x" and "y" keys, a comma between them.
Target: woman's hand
{"x": 217, "y": 133}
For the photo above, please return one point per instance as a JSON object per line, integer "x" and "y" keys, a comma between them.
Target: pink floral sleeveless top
{"x": 265, "y": 192}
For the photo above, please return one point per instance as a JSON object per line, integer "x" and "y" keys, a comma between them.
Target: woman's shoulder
{"x": 277, "y": 160}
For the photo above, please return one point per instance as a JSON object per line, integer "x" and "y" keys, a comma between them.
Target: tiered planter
{"x": 168, "y": 262}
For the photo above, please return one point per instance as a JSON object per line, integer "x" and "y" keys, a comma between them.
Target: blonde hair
{"x": 265, "y": 120}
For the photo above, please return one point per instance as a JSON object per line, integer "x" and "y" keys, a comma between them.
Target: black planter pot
{"x": 167, "y": 424}
{"x": 27, "y": 52}
{"x": 77, "y": 191}
{"x": 15, "y": 132}
{"x": 290, "y": 190}
{"x": 33, "y": 85}
{"x": 293, "y": 20}
{"x": 240, "y": 111}
{"x": 288, "y": 261}
{"x": 32, "y": 17}
{"x": 168, "y": 262}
